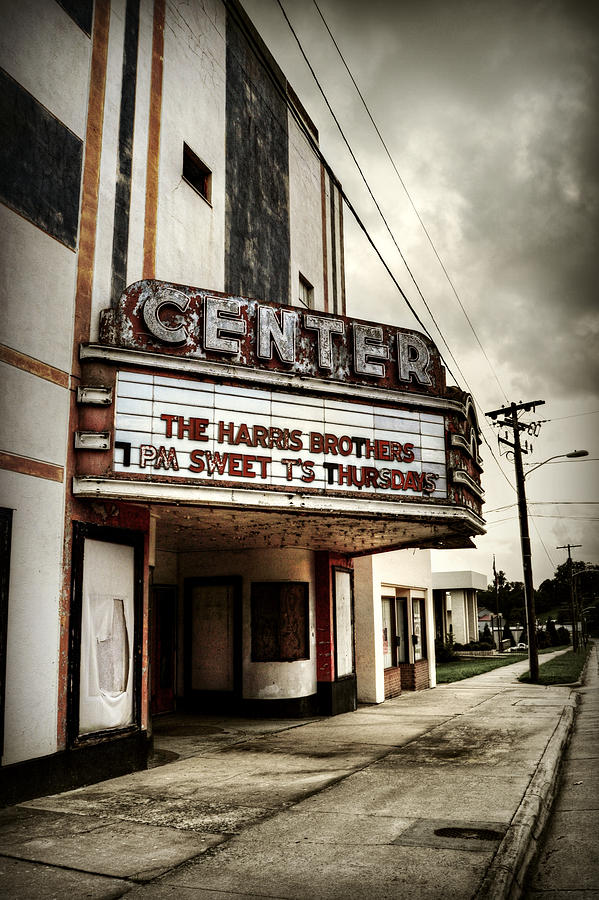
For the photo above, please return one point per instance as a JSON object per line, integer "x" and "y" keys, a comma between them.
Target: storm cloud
{"x": 491, "y": 113}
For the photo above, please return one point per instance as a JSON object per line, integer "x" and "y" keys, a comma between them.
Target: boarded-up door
{"x": 213, "y": 637}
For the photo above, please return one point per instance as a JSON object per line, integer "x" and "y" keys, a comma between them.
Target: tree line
{"x": 552, "y": 598}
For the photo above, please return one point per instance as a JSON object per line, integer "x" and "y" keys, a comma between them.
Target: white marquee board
{"x": 261, "y": 438}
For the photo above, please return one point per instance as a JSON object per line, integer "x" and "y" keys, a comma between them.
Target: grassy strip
{"x": 468, "y": 668}
{"x": 564, "y": 669}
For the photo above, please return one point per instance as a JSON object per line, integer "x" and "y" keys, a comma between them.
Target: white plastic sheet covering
{"x": 107, "y": 627}
{"x": 343, "y": 619}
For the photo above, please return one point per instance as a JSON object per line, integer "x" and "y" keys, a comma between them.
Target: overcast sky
{"x": 490, "y": 111}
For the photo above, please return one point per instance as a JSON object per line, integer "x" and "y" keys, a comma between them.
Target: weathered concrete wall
{"x": 33, "y": 623}
{"x": 459, "y": 617}
{"x": 46, "y": 56}
{"x": 264, "y": 680}
{"x": 190, "y": 237}
{"x": 472, "y": 615}
{"x": 305, "y": 209}
{"x": 257, "y": 199}
{"x": 166, "y": 568}
{"x": 368, "y": 627}
{"x": 410, "y": 569}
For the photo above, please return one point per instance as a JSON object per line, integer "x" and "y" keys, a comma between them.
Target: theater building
{"x": 201, "y": 451}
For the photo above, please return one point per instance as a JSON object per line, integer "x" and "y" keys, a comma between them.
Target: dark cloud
{"x": 491, "y": 112}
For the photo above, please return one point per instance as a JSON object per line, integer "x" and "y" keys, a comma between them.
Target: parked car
{"x": 519, "y": 648}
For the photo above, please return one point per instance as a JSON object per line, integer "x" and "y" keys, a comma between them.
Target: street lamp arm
{"x": 575, "y": 454}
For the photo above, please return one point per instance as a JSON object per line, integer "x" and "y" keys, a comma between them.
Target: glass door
{"x": 388, "y": 631}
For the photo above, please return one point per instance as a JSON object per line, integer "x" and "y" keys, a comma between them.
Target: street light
{"x": 509, "y": 419}
{"x": 533, "y": 653}
{"x": 575, "y": 454}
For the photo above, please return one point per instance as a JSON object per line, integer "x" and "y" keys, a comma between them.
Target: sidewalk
{"x": 431, "y": 795}
{"x": 568, "y": 860}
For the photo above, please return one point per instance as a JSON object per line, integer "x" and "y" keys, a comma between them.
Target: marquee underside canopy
{"x": 225, "y": 519}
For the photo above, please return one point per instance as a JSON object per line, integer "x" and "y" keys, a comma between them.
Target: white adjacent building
{"x": 456, "y": 607}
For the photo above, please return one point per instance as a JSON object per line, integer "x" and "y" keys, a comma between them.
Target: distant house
{"x": 455, "y": 606}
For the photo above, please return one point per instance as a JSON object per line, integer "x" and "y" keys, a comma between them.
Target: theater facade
{"x": 264, "y": 447}
{"x": 214, "y": 484}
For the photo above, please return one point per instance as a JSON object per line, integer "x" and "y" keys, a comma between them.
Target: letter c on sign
{"x": 170, "y": 334}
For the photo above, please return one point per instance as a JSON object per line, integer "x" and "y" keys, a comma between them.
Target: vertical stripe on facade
{"x": 151, "y": 212}
{"x": 325, "y": 264}
{"x": 343, "y": 309}
{"x": 257, "y": 228}
{"x": 333, "y": 246}
{"x": 122, "y": 203}
{"x": 91, "y": 178}
{"x": 82, "y": 316}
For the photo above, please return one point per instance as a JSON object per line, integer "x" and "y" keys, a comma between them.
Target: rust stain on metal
{"x": 185, "y": 317}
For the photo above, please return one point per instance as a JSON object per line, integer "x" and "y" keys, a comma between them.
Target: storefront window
{"x": 395, "y": 619}
{"x": 419, "y": 627}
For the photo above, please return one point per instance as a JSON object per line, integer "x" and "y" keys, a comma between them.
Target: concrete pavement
{"x": 434, "y": 794}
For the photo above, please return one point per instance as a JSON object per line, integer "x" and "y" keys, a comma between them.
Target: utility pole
{"x": 510, "y": 421}
{"x": 499, "y": 645}
{"x": 569, "y": 547}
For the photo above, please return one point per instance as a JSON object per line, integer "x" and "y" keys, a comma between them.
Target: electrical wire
{"x": 538, "y": 533}
{"x": 542, "y": 516}
{"x": 593, "y": 412}
{"x": 376, "y": 203}
{"x": 377, "y": 251}
{"x": 547, "y": 503}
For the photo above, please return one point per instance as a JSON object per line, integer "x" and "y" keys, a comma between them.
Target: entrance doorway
{"x": 164, "y": 643}
{"x": 212, "y": 642}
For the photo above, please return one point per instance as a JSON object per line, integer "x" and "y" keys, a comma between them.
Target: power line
{"x": 593, "y": 412}
{"x": 407, "y": 193}
{"x": 377, "y": 251}
{"x": 547, "y": 503}
{"x": 543, "y": 516}
{"x": 548, "y": 516}
{"x": 375, "y": 201}
{"x": 563, "y": 502}
{"x": 538, "y": 534}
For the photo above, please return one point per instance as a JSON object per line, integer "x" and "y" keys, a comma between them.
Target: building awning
{"x": 221, "y": 518}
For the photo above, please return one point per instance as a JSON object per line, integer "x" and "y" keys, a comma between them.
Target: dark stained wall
{"x": 122, "y": 204}
{"x": 81, "y": 12}
{"x": 40, "y": 163}
{"x": 257, "y": 175}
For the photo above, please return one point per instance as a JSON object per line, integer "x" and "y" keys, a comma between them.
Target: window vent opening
{"x": 197, "y": 174}
{"x": 306, "y": 292}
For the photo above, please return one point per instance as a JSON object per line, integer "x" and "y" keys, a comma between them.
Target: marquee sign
{"x": 259, "y": 437}
{"x": 208, "y": 326}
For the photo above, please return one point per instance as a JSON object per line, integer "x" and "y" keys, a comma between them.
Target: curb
{"x": 505, "y": 876}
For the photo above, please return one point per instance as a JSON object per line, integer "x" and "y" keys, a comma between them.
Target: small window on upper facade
{"x": 306, "y": 292}
{"x": 197, "y": 174}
